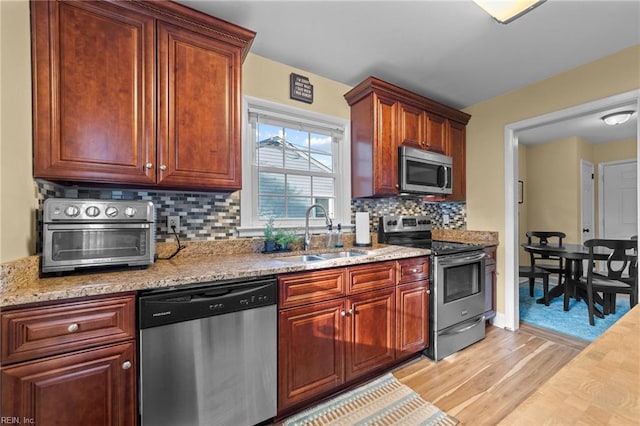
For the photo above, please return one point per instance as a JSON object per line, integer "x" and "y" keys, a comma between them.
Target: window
{"x": 292, "y": 159}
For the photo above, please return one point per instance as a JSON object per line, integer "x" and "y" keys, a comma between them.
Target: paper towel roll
{"x": 363, "y": 237}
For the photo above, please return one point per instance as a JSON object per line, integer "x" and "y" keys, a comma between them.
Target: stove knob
{"x": 390, "y": 223}
{"x": 111, "y": 211}
{"x": 395, "y": 222}
{"x": 72, "y": 211}
{"x": 130, "y": 211}
{"x": 92, "y": 211}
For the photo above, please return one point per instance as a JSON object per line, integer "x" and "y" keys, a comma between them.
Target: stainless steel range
{"x": 457, "y": 302}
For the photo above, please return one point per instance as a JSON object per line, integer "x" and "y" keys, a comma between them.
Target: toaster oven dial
{"x": 111, "y": 211}
{"x": 130, "y": 211}
{"x": 92, "y": 211}
{"x": 72, "y": 211}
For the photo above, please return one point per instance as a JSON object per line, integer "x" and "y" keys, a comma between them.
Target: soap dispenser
{"x": 339, "y": 237}
{"x": 331, "y": 237}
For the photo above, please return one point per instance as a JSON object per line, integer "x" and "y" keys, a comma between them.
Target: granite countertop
{"x": 202, "y": 261}
{"x": 483, "y": 238}
{"x": 20, "y": 283}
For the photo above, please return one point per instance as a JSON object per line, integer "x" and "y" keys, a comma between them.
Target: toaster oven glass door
{"x": 97, "y": 242}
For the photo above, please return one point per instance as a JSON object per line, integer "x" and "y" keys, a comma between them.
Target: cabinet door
{"x": 490, "y": 282}
{"x": 436, "y": 139}
{"x": 199, "y": 110}
{"x": 94, "y": 387}
{"x": 370, "y": 332}
{"x": 385, "y": 161}
{"x": 411, "y": 125}
{"x": 412, "y": 318}
{"x": 93, "y": 92}
{"x": 310, "y": 351}
{"x": 457, "y": 149}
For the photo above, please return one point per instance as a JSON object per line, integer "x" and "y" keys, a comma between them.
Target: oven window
{"x": 461, "y": 281}
{"x": 98, "y": 244}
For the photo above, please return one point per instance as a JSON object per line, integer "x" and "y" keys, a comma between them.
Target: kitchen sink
{"x": 301, "y": 258}
{"x": 304, "y": 258}
{"x": 338, "y": 254}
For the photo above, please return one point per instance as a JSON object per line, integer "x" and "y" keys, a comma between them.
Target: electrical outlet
{"x": 445, "y": 219}
{"x": 173, "y": 221}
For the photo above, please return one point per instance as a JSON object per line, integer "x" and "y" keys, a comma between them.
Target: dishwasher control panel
{"x": 161, "y": 307}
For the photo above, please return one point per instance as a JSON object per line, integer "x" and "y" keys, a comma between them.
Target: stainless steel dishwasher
{"x": 208, "y": 354}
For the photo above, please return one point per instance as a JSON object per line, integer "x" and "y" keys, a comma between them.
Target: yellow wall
{"x": 17, "y": 191}
{"x": 269, "y": 80}
{"x": 485, "y": 132}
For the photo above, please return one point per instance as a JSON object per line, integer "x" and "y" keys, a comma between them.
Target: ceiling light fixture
{"x": 505, "y": 11}
{"x": 616, "y": 118}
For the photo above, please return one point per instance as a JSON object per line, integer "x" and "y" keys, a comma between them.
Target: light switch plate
{"x": 445, "y": 219}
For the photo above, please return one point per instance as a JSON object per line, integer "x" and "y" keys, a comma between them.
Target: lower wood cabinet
{"x": 70, "y": 363}
{"x": 95, "y": 387}
{"x": 370, "y": 334}
{"x": 310, "y": 351}
{"x": 412, "y": 313}
{"x": 338, "y": 325}
{"x": 490, "y": 281}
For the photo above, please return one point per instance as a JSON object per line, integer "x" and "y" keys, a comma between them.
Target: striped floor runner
{"x": 384, "y": 401}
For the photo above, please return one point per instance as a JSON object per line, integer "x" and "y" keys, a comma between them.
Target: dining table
{"x": 574, "y": 256}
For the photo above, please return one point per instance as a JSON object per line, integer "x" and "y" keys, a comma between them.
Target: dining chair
{"x": 549, "y": 263}
{"x": 617, "y": 277}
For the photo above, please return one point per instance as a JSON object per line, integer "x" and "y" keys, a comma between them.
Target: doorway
{"x": 511, "y": 314}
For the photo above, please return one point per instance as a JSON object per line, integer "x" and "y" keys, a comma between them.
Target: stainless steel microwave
{"x": 424, "y": 172}
{"x": 96, "y": 233}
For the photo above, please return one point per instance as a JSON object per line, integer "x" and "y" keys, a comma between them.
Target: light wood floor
{"x": 481, "y": 384}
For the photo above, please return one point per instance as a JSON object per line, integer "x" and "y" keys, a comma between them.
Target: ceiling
{"x": 449, "y": 51}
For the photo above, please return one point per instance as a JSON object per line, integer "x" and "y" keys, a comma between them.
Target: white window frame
{"x": 250, "y": 225}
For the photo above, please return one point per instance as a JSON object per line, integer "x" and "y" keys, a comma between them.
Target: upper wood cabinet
{"x": 137, "y": 93}
{"x": 384, "y": 117}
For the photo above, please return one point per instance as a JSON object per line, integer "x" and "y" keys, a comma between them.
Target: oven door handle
{"x": 457, "y": 260}
{"x": 463, "y": 329}
{"x": 107, "y": 226}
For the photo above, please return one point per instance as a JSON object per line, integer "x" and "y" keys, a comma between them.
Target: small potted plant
{"x": 269, "y": 236}
{"x": 284, "y": 238}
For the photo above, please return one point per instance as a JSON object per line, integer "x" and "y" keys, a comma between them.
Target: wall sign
{"x": 300, "y": 88}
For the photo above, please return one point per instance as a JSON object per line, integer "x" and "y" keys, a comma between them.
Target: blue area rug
{"x": 574, "y": 322}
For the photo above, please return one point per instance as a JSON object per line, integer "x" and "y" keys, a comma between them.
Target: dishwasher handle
{"x": 184, "y": 305}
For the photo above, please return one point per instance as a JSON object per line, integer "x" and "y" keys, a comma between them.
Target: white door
{"x": 619, "y": 199}
{"x": 587, "y": 200}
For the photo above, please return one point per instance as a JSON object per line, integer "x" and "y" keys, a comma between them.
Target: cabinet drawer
{"x": 47, "y": 330}
{"x": 413, "y": 269}
{"x": 370, "y": 276}
{"x": 307, "y": 287}
{"x": 490, "y": 253}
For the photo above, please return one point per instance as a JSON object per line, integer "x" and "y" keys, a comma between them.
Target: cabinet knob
{"x": 126, "y": 365}
{"x": 351, "y": 311}
{"x": 415, "y": 271}
{"x": 73, "y": 328}
{"x": 343, "y": 314}
{"x": 163, "y": 167}
{"x": 148, "y": 165}
{"x": 428, "y": 291}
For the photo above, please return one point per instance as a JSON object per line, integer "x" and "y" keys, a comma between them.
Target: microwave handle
{"x": 446, "y": 176}
{"x": 443, "y": 178}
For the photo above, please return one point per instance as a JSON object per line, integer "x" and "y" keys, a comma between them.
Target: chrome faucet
{"x": 307, "y": 236}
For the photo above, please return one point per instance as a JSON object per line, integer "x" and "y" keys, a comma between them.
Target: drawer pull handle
{"x": 126, "y": 365}
{"x": 73, "y": 328}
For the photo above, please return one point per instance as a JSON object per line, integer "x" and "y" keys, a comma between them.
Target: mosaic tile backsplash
{"x": 215, "y": 216}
